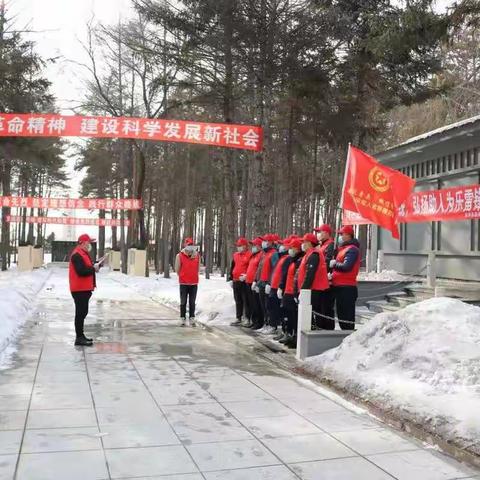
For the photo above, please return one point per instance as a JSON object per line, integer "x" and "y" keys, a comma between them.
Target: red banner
{"x": 99, "y": 222}
{"x": 72, "y": 203}
{"x": 247, "y": 137}
{"x": 374, "y": 191}
{"x": 456, "y": 203}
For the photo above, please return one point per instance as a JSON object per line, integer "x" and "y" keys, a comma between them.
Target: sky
{"x": 58, "y": 27}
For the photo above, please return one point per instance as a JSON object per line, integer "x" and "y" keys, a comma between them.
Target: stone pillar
{"x": 25, "y": 259}
{"x": 304, "y": 318}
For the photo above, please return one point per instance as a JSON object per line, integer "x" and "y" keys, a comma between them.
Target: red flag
{"x": 374, "y": 191}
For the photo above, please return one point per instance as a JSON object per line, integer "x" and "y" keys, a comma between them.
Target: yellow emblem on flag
{"x": 378, "y": 180}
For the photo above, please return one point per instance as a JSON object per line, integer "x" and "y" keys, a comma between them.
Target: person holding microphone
{"x": 82, "y": 281}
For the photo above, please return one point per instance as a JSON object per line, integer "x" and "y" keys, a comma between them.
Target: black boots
{"x": 83, "y": 341}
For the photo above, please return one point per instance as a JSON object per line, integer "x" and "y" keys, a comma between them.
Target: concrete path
{"x": 153, "y": 400}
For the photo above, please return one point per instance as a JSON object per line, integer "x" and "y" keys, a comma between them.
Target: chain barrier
{"x": 335, "y": 319}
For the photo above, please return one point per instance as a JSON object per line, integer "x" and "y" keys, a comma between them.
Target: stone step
{"x": 381, "y": 306}
{"x": 420, "y": 292}
{"x": 401, "y": 301}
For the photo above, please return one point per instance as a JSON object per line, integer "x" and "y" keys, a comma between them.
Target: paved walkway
{"x": 153, "y": 400}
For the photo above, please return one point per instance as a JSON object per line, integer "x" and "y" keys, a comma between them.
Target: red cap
{"x": 347, "y": 229}
{"x": 276, "y": 238}
{"x": 242, "y": 242}
{"x": 268, "y": 238}
{"x": 310, "y": 237}
{"x": 256, "y": 241}
{"x": 295, "y": 243}
{"x": 324, "y": 228}
{"x": 85, "y": 238}
{"x": 188, "y": 241}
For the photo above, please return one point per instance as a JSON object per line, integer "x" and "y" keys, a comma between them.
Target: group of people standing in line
{"x": 267, "y": 279}
{"x": 266, "y": 274}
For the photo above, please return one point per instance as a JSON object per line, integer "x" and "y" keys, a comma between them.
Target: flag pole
{"x": 340, "y": 205}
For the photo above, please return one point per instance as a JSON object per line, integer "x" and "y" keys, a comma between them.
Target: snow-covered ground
{"x": 17, "y": 291}
{"x": 384, "y": 276}
{"x": 215, "y": 303}
{"x": 422, "y": 362}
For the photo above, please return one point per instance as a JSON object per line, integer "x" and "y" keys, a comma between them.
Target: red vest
{"x": 324, "y": 246}
{"x": 252, "y": 267}
{"x": 266, "y": 271}
{"x": 78, "y": 283}
{"x": 290, "y": 283}
{"x": 346, "y": 278}
{"x": 241, "y": 261}
{"x": 320, "y": 282}
{"x": 277, "y": 271}
{"x": 188, "y": 274}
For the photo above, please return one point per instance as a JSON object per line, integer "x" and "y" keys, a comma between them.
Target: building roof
{"x": 433, "y": 141}
{"x": 437, "y": 131}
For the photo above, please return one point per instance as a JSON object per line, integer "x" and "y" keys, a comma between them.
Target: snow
{"x": 17, "y": 291}
{"x": 422, "y": 361}
{"x": 383, "y": 276}
{"x": 445, "y": 128}
{"x": 215, "y": 303}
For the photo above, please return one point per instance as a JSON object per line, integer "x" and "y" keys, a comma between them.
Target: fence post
{"x": 431, "y": 270}
{"x": 380, "y": 261}
{"x": 304, "y": 319}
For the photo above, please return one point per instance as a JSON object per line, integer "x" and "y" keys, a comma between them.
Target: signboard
{"x": 99, "y": 222}
{"x": 246, "y": 137}
{"x": 72, "y": 203}
{"x": 456, "y": 203}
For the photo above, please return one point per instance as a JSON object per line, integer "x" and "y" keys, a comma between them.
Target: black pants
{"x": 241, "y": 301}
{"x": 321, "y": 303}
{"x": 291, "y": 310}
{"x": 81, "y": 300}
{"x": 263, "y": 305}
{"x": 275, "y": 310}
{"x": 254, "y": 310}
{"x": 345, "y": 299}
{"x": 189, "y": 291}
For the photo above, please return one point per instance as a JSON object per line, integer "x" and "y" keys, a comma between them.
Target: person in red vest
{"x": 288, "y": 292}
{"x": 313, "y": 275}
{"x": 345, "y": 267}
{"x": 187, "y": 266}
{"x": 275, "y": 309}
{"x": 81, "y": 276}
{"x": 327, "y": 247}
{"x": 264, "y": 276}
{"x": 325, "y": 242}
{"x": 253, "y": 297}
{"x": 237, "y": 279}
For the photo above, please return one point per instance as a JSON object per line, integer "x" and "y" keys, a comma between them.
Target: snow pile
{"x": 17, "y": 290}
{"x": 384, "y": 276}
{"x": 422, "y": 362}
{"x": 215, "y": 303}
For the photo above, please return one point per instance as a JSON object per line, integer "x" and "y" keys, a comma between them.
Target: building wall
{"x": 448, "y": 161}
